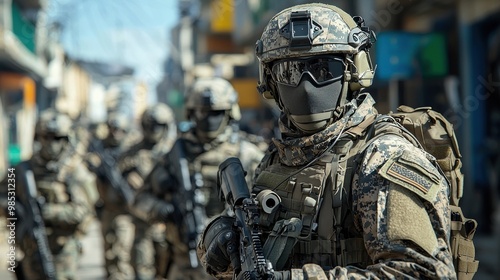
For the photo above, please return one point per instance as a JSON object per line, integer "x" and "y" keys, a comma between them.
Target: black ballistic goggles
{"x": 322, "y": 69}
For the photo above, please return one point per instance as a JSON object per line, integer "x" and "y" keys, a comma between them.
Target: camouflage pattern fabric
{"x": 395, "y": 235}
{"x": 64, "y": 185}
{"x": 118, "y": 236}
{"x": 396, "y": 258}
{"x": 143, "y": 251}
{"x": 298, "y": 151}
{"x": 136, "y": 164}
{"x": 116, "y": 223}
{"x": 204, "y": 157}
{"x": 222, "y": 95}
{"x": 333, "y": 27}
{"x": 370, "y": 196}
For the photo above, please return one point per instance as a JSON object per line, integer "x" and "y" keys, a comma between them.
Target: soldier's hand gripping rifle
{"x": 29, "y": 199}
{"x": 193, "y": 212}
{"x": 107, "y": 169}
{"x": 234, "y": 189}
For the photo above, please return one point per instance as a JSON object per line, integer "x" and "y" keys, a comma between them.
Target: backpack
{"x": 430, "y": 131}
{"x": 437, "y": 137}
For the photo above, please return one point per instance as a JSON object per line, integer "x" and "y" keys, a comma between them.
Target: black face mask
{"x": 308, "y": 98}
{"x": 212, "y": 122}
{"x": 53, "y": 147}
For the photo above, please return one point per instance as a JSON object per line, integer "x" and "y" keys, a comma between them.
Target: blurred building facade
{"x": 22, "y": 70}
{"x": 35, "y": 74}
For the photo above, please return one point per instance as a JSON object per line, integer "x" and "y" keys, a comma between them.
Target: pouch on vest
{"x": 281, "y": 241}
{"x": 462, "y": 246}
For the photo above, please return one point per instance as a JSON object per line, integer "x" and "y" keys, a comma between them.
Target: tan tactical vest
{"x": 204, "y": 169}
{"x": 330, "y": 178}
{"x": 308, "y": 196}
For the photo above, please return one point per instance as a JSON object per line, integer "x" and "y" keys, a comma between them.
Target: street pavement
{"x": 91, "y": 265}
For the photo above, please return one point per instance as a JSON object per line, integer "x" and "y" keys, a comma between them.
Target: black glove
{"x": 169, "y": 212}
{"x": 222, "y": 245}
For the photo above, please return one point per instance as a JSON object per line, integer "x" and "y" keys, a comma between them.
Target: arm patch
{"x": 407, "y": 219}
{"x": 413, "y": 173}
{"x": 412, "y": 180}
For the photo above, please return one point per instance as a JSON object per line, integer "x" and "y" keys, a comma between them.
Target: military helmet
{"x": 316, "y": 29}
{"x": 211, "y": 103}
{"x": 156, "y": 121}
{"x": 118, "y": 120}
{"x": 159, "y": 113}
{"x": 54, "y": 123}
{"x": 214, "y": 94}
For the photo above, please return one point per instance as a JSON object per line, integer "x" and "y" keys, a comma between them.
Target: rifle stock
{"x": 193, "y": 212}
{"x": 234, "y": 189}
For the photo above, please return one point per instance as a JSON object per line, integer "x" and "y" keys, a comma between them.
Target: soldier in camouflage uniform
{"x": 68, "y": 192}
{"x": 159, "y": 132}
{"x": 211, "y": 104}
{"x": 116, "y": 223}
{"x": 357, "y": 202}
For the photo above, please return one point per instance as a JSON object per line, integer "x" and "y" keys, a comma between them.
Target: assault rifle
{"x": 193, "y": 212}
{"x": 108, "y": 170}
{"x": 30, "y": 200}
{"x": 234, "y": 189}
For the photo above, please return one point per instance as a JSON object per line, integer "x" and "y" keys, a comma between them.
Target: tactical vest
{"x": 301, "y": 195}
{"x": 203, "y": 169}
{"x": 306, "y": 200}
{"x": 57, "y": 188}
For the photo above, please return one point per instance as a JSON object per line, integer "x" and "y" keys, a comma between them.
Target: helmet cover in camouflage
{"x": 159, "y": 113}
{"x": 53, "y": 122}
{"x": 213, "y": 94}
{"x": 118, "y": 120}
{"x": 332, "y": 31}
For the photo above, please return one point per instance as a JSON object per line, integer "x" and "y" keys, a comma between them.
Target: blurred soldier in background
{"x": 159, "y": 132}
{"x": 212, "y": 106}
{"x": 66, "y": 196}
{"x": 116, "y": 223}
{"x": 352, "y": 207}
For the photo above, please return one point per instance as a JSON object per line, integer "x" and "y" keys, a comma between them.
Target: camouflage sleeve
{"x": 88, "y": 181}
{"x": 73, "y": 212}
{"x": 400, "y": 204}
{"x": 150, "y": 197}
{"x": 250, "y": 157}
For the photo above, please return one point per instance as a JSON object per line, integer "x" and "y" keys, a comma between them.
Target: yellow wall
{"x": 247, "y": 91}
{"x": 221, "y": 16}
